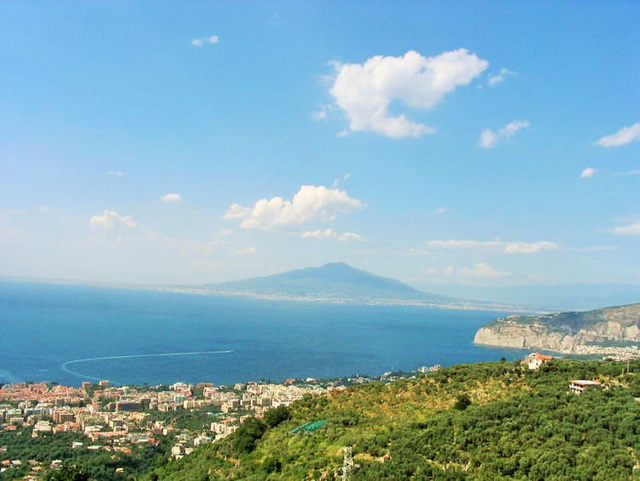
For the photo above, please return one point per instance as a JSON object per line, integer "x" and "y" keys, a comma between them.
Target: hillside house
{"x": 535, "y": 360}
{"x": 579, "y": 386}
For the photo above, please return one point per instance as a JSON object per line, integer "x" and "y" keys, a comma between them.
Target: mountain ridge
{"x": 329, "y": 279}
{"x": 565, "y": 332}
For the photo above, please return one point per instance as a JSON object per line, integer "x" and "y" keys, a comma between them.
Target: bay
{"x": 71, "y": 333}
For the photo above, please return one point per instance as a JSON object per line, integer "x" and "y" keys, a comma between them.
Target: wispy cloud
{"x": 171, "y": 198}
{"x": 490, "y": 138}
{"x": 340, "y": 180}
{"x": 311, "y": 203}
{"x": 246, "y": 251}
{"x": 628, "y": 173}
{"x": 595, "y": 249}
{"x": 479, "y": 270}
{"x": 201, "y": 42}
{"x": 501, "y": 77}
{"x": 365, "y": 91}
{"x": 331, "y": 234}
{"x": 322, "y": 112}
{"x": 111, "y": 220}
{"x": 498, "y": 245}
{"x": 116, "y": 173}
{"x": 623, "y": 136}
{"x": 628, "y": 229}
{"x": 588, "y": 172}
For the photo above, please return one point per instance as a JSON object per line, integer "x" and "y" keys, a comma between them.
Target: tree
{"x": 462, "y": 402}
{"x": 274, "y": 417}
{"x": 247, "y": 435}
{"x": 68, "y": 473}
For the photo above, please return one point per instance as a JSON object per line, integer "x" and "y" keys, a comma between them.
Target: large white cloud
{"x": 490, "y": 138}
{"x": 311, "y": 203}
{"x": 505, "y": 247}
{"x": 110, "y": 220}
{"x": 623, "y": 136}
{"x": 365, "y": 91}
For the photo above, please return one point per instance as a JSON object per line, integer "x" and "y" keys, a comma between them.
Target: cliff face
{"x": 563, "y": 332}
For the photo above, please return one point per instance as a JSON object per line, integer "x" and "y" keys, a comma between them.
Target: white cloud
{"x": 116, "y": 173}
{"x": 174, "y": 198}
{"x": 628, "y": 229}
{"x": 319, "y": 114}
{"x": 339, "y": 180}
{"x": 529, "y": 247}
{"x": 311, "y": 203}
{"x": 628, "y": 172}
{"x": 442, "y": 210}
{"x": 322, "y": 112}
{"x": 110, "y": 220}
{"x": 501, "y": 77}
{"x": 592, "y": 249}
{"x": 489, "y": 138}
{"x": 588, "y": 172}
{"x": 331, "y": 234}
{"x": 482, "y": 270}
{"x": 246, "y": 251}
{"x": 365, "y": 91}
{"x": 479, "y": 270}
{"x": 623, "y": 136}
{"x": 504, "y": 247}
{"x": 201, "y": 42}
{"x": 455, "y": 243}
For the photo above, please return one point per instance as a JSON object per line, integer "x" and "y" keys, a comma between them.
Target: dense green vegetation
{"x": 480, "y": 422}
{"x": 484, "y": 421}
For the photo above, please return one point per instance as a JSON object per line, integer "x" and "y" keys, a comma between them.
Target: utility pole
{"x": 348, "y": 466}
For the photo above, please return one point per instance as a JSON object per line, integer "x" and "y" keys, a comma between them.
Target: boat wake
{"x": 65, "y": 365}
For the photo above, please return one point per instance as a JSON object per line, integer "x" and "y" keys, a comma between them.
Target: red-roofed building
{"x": 578, "y": 386}
{"x": 535, "y": 360}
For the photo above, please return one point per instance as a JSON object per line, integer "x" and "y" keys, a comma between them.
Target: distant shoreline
{"x": 202, "y": 291}
{"x": 349, "y": 300}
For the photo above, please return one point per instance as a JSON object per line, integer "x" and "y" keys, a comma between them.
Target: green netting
{"x": 309, "y": 427}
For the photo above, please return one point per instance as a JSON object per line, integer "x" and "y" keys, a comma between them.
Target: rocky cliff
{"x": 564, "y": 332}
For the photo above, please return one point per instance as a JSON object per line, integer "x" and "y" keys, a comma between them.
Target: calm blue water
{"x": 56, "y": 332}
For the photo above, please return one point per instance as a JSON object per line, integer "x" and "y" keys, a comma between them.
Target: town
{"x": 167, "y": 421}
{"x": 170, "y": 420}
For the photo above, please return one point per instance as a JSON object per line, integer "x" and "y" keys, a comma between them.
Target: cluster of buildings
{"x": 618, "y": 353}
{"x": 120, "y": 419}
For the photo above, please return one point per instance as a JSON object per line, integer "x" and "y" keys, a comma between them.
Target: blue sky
{"x": 485, "y": 143}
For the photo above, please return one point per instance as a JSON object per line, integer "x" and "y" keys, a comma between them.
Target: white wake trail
{"x": 65, "y": 365}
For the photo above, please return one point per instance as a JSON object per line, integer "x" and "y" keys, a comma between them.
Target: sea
{"x": 70, "y": 333}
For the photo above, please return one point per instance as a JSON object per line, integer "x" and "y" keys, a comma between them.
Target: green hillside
{"x": 481, "y": 422}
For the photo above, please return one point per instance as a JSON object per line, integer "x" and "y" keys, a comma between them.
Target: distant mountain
{"x": 566, "y": 331}
{"x": 334, "y": 281}
{"x": 548, "y": 297}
